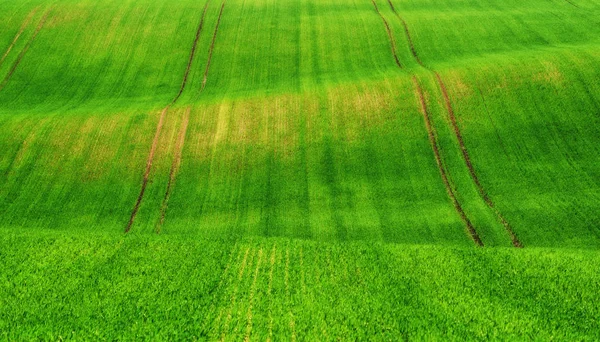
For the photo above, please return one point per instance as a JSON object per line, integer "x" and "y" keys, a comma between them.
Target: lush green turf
{"x": 149, "y": 287}
{"x": 296, "y": 129}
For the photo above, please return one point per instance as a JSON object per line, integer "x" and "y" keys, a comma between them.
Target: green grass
{"x": 304, "y": 137}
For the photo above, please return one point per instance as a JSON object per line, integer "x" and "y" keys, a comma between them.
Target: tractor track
{"x": 443, "y": 173}
{"x": 212, "y": 47}
{"x": 174, "y": 168}
{"x": 389, "y": 33}
{"x": 24, "y": 51}
{"x": 465, "y": 153}
{"x": 18, "y": 35}
{"x": 411, "y": 45}
{"x": 192, "y": 54}
{"x": 160, "y": 124}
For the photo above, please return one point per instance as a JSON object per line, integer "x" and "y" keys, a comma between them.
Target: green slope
{"x": 360, "y": 129}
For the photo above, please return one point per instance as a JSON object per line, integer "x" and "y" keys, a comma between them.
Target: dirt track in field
{"x": 212, "y": 47}
{"x": 192, "y": 54}
{"x": 24, "y": 51}
{"x": 438, "y": 158}
{"x": 174, "y": 168}
{"x": 467, "y": 159}
{"x": 408, "y": 37}
{"x": 18, "y": 35}
{"x": 389, "y": 33}
{"x": 148, "y": 169}
{"x": 159, "y": 129}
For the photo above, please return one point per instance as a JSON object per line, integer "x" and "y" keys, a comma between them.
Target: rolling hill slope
{"x": 418, "y": 127}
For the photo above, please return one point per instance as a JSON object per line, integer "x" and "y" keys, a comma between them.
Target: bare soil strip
{"x": 148, "y": 168}
{"x": 24, "y": 51}
{"x": 19, "y": 33}
{"x": 158, "y": 131}
{"x": 408, "y": 37}
{"x": 192, "y": 54}
{"x": 174, "y": 168}
{"x": 212, "y": 47}
{"x": 465, "y": 153}
{"x": 438, "y": 159}
{"x": 389, "y": 33}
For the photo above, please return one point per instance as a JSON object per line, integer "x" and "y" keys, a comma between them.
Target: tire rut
{"x": 443, "y": 173}
{"x": 25, "y": 49}
{"x": 389, "y": 33}
{"x": 159, "y": 129}
{"x": 408, "y": 36}
{"x": 465, "y": 153}
{"x": 18, "y": 35}
{"x": 212, "y": 47}
{"x": 174, "y": 169}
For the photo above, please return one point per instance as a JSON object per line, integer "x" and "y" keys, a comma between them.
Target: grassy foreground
{"x": 69, "y": 286}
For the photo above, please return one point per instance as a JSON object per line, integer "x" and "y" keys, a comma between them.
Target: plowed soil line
{"x": 148, "y": 168}
{"x": 14, "y": 41}
{"x": 161, "y": 122}
{"x": 24, "y": 51}
{"x": 212, "y": 47}
{"x": 408, "y": 37}
{"x": 192, "y": 54}
{"x": 389, "y": 33}
{"x": 174, "y": 168}
{"x": 438, "y": 159}
{"x": 467, "y": 159}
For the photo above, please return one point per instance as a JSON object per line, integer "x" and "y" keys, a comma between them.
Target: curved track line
{"x": 212, "y": 46}
{"x": 19, "y": 33}
{"x": 24, "y": 51}
{"x": 441, "y": 168}
{"x": 148, "y": 168}
{"x": 408, "y": 36}
{"x": 192, "y": 54}
{"x": 488, "y": 201}
{"x": 389, "y": 33}
{"x": 174, "y": 168}
{"x": 160, "y": 124}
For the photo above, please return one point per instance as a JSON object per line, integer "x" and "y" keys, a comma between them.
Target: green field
{"x": 300, "y": 170}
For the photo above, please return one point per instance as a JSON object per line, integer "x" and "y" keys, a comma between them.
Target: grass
{"x": 298, "y": 139}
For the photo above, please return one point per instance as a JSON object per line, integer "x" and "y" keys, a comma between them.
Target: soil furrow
{"x": 408, "y": 36}
{"x": 438, "y": 159}
{"x": 158, "y": 131}
{"x": 467, "y": 159}
{"x": 192, "y": 54}
{"x": 212, "y": 47}
{"x": 174, "y": 168}
{"x": 148, "y": 168}
{"x": 24, "y": 51}
{"x": 389, "y": 33}
{"x": 18, "y": 35}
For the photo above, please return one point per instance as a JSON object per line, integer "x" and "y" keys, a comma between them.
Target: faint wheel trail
{"x": 465, "y": 153}
{"x": 24, "y": 51}
{"x": 234, "y": 297}
{"x": 389, "y": 33}
{"x": 174, "y": 168}
{"x": 212, "y": 47}
{"x": 270, "y": 292}
{"x": 443, "y": 173}
{"x": 292, "y": 321}
{"x": 159, "y": 126}
{"x": 215, "y": 291}
{"x": 18, "y": 35}
{"x": 252, "y": 296}
{"x": 408, "y": 36}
